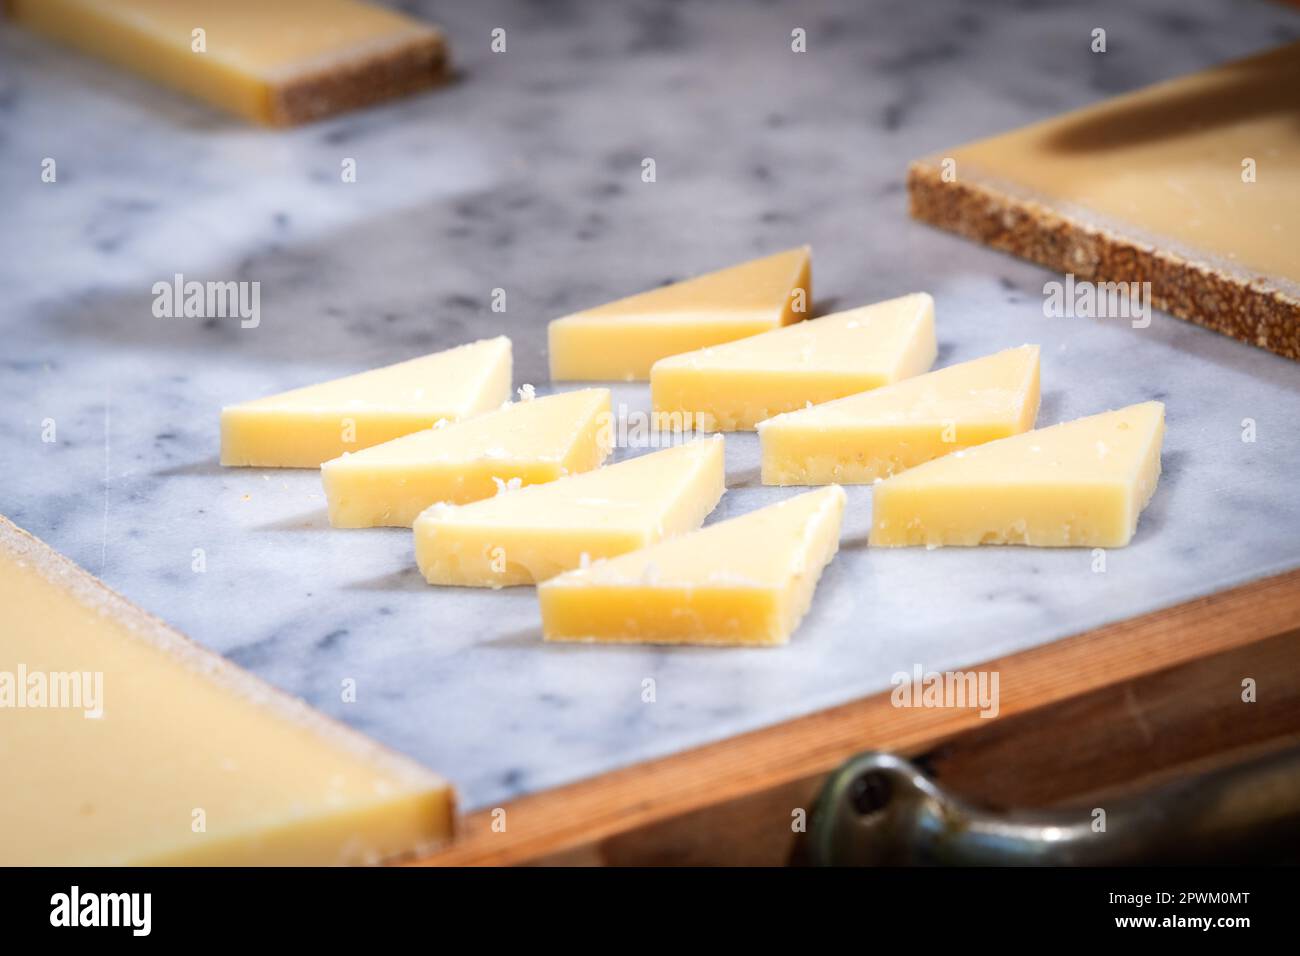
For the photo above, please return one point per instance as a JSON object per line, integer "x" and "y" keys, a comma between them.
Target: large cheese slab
{"x": 280, "y": 62}
{"x": 735, "y": 386}
{"x": 745, "y": 581}
{"x": 307, "y": 426}
{"x": 125, "y": 743}
{"x": 1191, "y": 185}
{"x": 530, "y": 534}
{"x": 1081, "y": 483}
{"x": 621, "y": 340}
{"x": 526, "y": 442}
{"x": 876, "y": 434}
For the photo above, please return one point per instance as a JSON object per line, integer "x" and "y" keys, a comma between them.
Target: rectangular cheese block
{"x": 307, "y": 426}
{"x": 125, "y": 743}
{"x": 867, "y": 437}
{"x": 1192, "y": 185}
{"x": 280, "y": 62}
{"x": 1079, "y": 484}
{"x": 735, "y": 386}
{"x": 530, "y": 534}
{"x": 526, "y": 443}
{"x": 745, "y": 581}
{"x": 621, "y": 340}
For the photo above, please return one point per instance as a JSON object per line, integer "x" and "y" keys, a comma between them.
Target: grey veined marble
{"x": 526, "y": 176}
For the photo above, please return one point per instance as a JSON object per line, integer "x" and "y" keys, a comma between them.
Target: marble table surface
{"x": 526, "y": 175}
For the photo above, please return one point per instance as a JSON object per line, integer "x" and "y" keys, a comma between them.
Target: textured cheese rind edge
{"x": 1112, "y": 228}
{"x": 411, "y": 57}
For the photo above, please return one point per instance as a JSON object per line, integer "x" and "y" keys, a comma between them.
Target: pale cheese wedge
{"x": 525, "y": 442}
{"x": 621, "y": 340}
{"x": 745, "y": 581}
{"x": 124, "y": 743}
{"x": 734, "y": 386}
{"x": 307, "y": 426}
{"x": 876, "y": 434}
{"x": 1082, "y": 483}
{"x": 530, "y": 534}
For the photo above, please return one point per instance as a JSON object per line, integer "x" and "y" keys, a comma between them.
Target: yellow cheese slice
{"x": 621, "y": 340}
{"x": 528, "y": 535}
{"x": 307, "y": 426}
{"x": 866, "y": 437}
{"x": 748, "y": 580}
{"x": 529, "y": 442}
{"x": 735, "y": 386}
{"x": 125, "y": 743}
{"x": 1081, "y": 483}
{"x": 279, "y": 62}
{"x": 1165, "y": 164}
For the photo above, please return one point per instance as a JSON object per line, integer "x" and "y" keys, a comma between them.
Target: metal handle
{"x": 879, "y": 809}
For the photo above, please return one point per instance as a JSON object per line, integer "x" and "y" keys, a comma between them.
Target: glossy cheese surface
{"x": 745, "y": 581}
{"x": 876, "y": 434}
{"x": 1167, "y": 163}
{"x": 190, "y": 760}
{"x": 529, "y": 442}
{"x": 621, "y": 340}
{"x": 307, "y": 426}
{"x": 527, "y": 535}
{"x": 1081, "y": 483}
{"x": 735, "y": 386}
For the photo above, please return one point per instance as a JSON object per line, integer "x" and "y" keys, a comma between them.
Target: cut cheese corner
{"x": 736, "y": 385}
{"x": 1078, "y": 484}
{"x": 873, "y": 435}
{"x": 307, "y": 426}
{"x": 147, "y": 726}
{"x": 744, "y": 581}
{"x": 620, "y": 341}
{"x": 522, "y": 443}
{"x": 526, "y": 535}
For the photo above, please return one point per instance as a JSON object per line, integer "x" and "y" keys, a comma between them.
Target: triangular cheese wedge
{"x": 735, "y": 386}
{"x": 1079, "y": 484}
{"x": 526, "y": 442}
{"x": 748, "y": 580}
{"x": 621, "y": 340}
{"x": 307, "y": 426}
{"x": 174, "y": 727}
{"x": 873, "y": 435}
{"x": 530, "y": 534}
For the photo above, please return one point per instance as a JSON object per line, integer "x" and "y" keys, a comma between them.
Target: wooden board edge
{"x": 1246, "y": 309}
{"x": 560, "y": 822}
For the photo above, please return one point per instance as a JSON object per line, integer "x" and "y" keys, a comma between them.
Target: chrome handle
{"x": 879, "y": 809}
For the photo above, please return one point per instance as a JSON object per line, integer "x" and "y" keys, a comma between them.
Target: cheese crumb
{"x": 514, "y": 484}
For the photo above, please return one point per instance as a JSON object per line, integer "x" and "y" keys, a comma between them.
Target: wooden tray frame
{"x": 733, "y": 801}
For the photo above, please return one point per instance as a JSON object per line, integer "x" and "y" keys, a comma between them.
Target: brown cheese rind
{"x": 417, "y": 62}
{"x": 1251, "y": 310}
